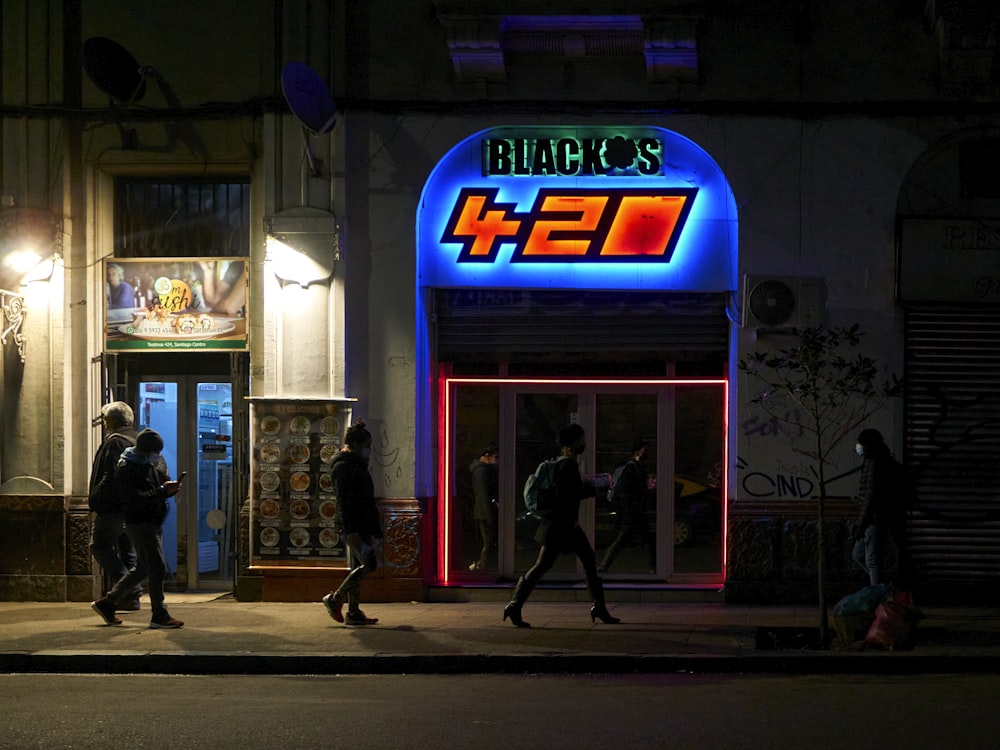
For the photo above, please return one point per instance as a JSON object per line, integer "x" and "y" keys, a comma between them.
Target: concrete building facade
{"x": 446, "y": 169}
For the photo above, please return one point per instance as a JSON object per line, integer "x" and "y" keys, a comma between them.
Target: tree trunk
{"x": 821, "y": 567}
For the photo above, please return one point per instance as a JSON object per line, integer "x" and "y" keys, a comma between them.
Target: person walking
{"x": 560, "y": 533}
{"x": 485, "y": 484}
{"x": 359, "y": 522}
{"x": 109, "y": 544}
{"x": 882, "y": 516}
{"x": 629, "y": 494}
{"x": 145, "y": 485}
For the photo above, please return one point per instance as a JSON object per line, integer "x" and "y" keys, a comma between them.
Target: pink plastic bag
{"x": 894, "y": 621}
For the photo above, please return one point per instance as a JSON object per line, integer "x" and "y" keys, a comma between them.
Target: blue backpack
{"x": 540, "y": 489}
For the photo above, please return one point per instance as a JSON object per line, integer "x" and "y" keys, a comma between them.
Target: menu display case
{"x": 292, "y": 506}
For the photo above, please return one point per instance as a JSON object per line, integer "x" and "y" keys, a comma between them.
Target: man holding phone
{"x": 145, "y": 486}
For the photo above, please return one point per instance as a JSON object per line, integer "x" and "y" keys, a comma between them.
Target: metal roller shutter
{"x": 952, "y": 443}
{"x": 674, "y": 326}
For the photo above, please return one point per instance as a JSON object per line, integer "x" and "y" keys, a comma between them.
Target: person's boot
{"x": 334, "y": 606}
{"x": 599, "y": 609}
{"x": 513, "y": 608}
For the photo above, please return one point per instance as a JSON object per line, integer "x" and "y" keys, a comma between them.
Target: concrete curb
{"x": 882, "y": 663}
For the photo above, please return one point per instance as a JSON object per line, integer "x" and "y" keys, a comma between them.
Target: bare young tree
{"x": 836, "y": 389}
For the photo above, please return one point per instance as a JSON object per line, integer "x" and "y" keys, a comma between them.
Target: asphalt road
{"x": 483, "y": 712}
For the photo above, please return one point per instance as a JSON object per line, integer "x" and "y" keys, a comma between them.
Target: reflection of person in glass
{"x": 485, "y": 481}
{"x": 560, "y": 532}
{"x": 359, "y": 522}
{"x": 629, "y": 496}
{"x": 120, "y": 292}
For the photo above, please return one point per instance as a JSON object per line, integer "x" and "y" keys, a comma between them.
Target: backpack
{"x": 540, "y": 489}
{"x": 616, "y": 477}
{"x": 107, "y": 494}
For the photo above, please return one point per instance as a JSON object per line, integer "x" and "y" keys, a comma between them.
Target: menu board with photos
{"x": 292, "y": 508}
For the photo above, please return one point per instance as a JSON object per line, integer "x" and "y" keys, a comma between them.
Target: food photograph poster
{"x": 156, "y": 304}
{"x": 292, "y": 507}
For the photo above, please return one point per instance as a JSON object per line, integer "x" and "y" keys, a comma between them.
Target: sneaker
{"x": 334, "y": 607}
{"x": 106, "y": 610}
{"x": 475, "y": 566}
{"x": 164, "y": 622}
{"x": 132, "y": 606}
{"x": 359, "y": 618}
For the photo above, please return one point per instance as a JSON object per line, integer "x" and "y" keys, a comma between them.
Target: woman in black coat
{"x": 560, "y": 533}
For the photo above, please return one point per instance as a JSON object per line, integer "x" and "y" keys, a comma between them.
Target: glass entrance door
{"x": 677, "y": 528}
{"x": 195, "y": 418}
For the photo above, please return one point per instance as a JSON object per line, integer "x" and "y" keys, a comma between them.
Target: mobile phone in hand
{"x": 181, "y": 477}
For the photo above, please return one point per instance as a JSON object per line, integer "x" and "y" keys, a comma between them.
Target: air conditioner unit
{"x": 783, "y": 302}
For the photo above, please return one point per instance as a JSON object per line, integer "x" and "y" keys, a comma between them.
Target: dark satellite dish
{"x": 308, "y": 97}
{"x": 113, "y": 70}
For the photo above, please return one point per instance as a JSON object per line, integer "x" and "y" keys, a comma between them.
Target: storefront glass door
{"x": 678, "y": 532}
{"x": 196, "y": 422}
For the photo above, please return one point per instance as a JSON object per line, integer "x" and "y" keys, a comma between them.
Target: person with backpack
{"x": 559, "y": 532}
{"x": 629, "y": 490}
{"x": 145, "y": 485}
{"x": 109, "y": 544}
{"x": 485, "y": 483}
{"x": 881, "y": 505}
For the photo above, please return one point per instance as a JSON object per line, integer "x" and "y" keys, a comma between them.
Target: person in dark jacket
{"x": 359, "y": 522}
{"x": 560, "y": 533}
{"x": 145, "y": 485}
{"x": 629, "y": 496}
{"x": 880, "y": 521}
{"x": 109, "y": 544}
{"x": 485, "y": 483}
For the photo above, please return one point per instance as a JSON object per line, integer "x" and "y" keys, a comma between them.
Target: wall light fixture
{"x": 303, "y": 245}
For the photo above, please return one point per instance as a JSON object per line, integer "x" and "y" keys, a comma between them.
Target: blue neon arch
{"x": 703, "y": 259}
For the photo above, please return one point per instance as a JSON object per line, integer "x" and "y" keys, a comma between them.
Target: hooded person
{"x": 145, "y": 485}
{"x": 878, "y": 505}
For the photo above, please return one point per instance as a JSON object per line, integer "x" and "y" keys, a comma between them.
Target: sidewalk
{"x": 223, "y": 636}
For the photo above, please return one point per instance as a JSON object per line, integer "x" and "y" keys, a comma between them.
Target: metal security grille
{"x": 597, "y": 325}
{"x": 184, "y": 217}
{"x": 952, "y": 442}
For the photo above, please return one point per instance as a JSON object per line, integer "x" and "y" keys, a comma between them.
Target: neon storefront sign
{"x": 591, "y": 207}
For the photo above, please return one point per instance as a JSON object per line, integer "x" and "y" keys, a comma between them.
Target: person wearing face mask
{"x": 145, "y": 485}
{"x": 359, "y": 522}
{"x": 881, "y": 520}
{"x": 560, "y": 532}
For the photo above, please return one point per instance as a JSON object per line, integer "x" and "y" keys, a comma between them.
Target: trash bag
{"x": 895, "y": 619}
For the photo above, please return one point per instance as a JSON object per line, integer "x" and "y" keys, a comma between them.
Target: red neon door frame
{"x": 447, "y": 385}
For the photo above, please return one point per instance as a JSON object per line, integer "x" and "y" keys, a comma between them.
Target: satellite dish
{"x": 772, "y": 302}
{"x": 308, "y": 97}
{"x": 113, "y": 70}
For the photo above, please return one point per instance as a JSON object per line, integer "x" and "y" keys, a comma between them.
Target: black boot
{"x": 513, "y": 609}
{"x": 599, "y": 609}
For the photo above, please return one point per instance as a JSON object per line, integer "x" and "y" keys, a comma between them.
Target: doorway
{"x": 680, "y": 421}
{"x": 194, "y": 414}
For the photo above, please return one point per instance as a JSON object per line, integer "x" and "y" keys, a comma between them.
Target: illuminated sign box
{"x": 175, "y": 304}
{"x": 622, "y": 208}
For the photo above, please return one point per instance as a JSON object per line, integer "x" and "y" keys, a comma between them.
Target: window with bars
{"x": 157, "y": 218}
